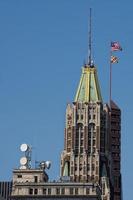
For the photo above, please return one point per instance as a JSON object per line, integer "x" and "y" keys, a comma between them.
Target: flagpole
{"x": 110, "y": 85}
{"x": 114, "y": 46}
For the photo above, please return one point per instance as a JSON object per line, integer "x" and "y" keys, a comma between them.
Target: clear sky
{"x": 43, "y": 45}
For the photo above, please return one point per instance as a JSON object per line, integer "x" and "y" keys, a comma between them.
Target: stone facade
{"x": 81, "y": 156}
{"x": 30, "y": 183}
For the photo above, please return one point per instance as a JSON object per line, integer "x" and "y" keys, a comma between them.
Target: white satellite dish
{"x": 42, "y": 165}
{"x": 23, "y": 167}
{"x": 23, "y": 161}
{"x": 48, "y": 164}
{"x": 24, "y": 147}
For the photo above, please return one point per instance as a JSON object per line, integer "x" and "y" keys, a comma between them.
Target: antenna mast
{"x": 90, "y": 42}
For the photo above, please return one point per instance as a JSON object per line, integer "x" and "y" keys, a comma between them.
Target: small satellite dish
{"x": 23, "y": 161}
{"x": 24, "y": 147}
{"x": 48, "y": 164}
{"x": 23, "y": 167}
{"x": 42, "y": 165}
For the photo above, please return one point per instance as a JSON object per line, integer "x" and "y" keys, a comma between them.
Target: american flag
{"x": 115, "y": 46}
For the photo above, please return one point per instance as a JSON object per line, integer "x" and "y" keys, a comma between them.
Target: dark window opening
{"x": 44, "y": 191}
{"x": 76, "y": 190}
{"x": 88, "y": 167}
{"x": 81, "y": 150}
{"x": 19, "y": 176}
{"x": 57, "y": 190}
{"x": 71, "y": 190}
{"x": 87, "y": 191}
{"x": 35, "y": 179}
{"x": 30, "y": 191}
{"x": 49, "y": 191}
{"x": 82, "y": 135}
{"x": 62, "y": 190}
{"x": 93, "y": 167}
{"x": 81, "y": 117}
{"x": 36, "y": 191}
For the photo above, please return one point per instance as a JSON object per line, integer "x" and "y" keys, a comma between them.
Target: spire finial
{"x": 90, "y": 42}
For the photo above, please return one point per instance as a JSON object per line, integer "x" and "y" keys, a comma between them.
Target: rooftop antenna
{"x": 90, "y": 62}
{"x": 25, "y": 161}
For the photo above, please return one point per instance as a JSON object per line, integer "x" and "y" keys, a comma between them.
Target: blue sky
{"x": 43, "y": 45}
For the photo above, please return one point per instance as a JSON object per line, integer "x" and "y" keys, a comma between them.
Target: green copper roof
{"x": 88, "y": 89}
{"x": 66, "y": 169}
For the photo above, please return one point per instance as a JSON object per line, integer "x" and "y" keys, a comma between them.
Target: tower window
{"x": 36, "y": 191}
{"x": 88, "y": 178}
{"x": 88, "y": 167}
{"x": 49, "y": 191}
{"x": 76, "y": 190}
{"x": 35, "y": 179}
{"x": 97, "y": 170}
{"x": 87, "y": 191}
{"x": 19, "y": 176}
{"x": 82, "y": 134}
{"x": 57, "y": 190}
{"x": 30, "y": 191}
{"x": 62, "y": 190}
{"x": 93, "y": 188}
{"x": 82, "y": 117}
{"x": 93, "y": 167}
{"x": 75, "y": 167}
{"x": 81, "y": 150}
{"x": 92, "y": 178}
{"x": 94, "y": 134}
{"x": 81, "y": 142}
{"x": 71, "y": 190}
{"x": 44, "y": 190}
{"x": 84, "y": 170}
{"x": 80, "y": 167}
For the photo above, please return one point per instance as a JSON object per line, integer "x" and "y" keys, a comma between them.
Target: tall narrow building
{"x": 92, "y": 138}
{"x": 116, "y": 149}
{"x": 80, "y": 159}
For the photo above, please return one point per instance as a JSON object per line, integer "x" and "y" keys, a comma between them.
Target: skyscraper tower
{"x": 84, "y": 158}
{"x": 92, "y": 136}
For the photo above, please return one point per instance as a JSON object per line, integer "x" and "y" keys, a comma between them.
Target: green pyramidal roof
{"x": 88, "y": 89}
